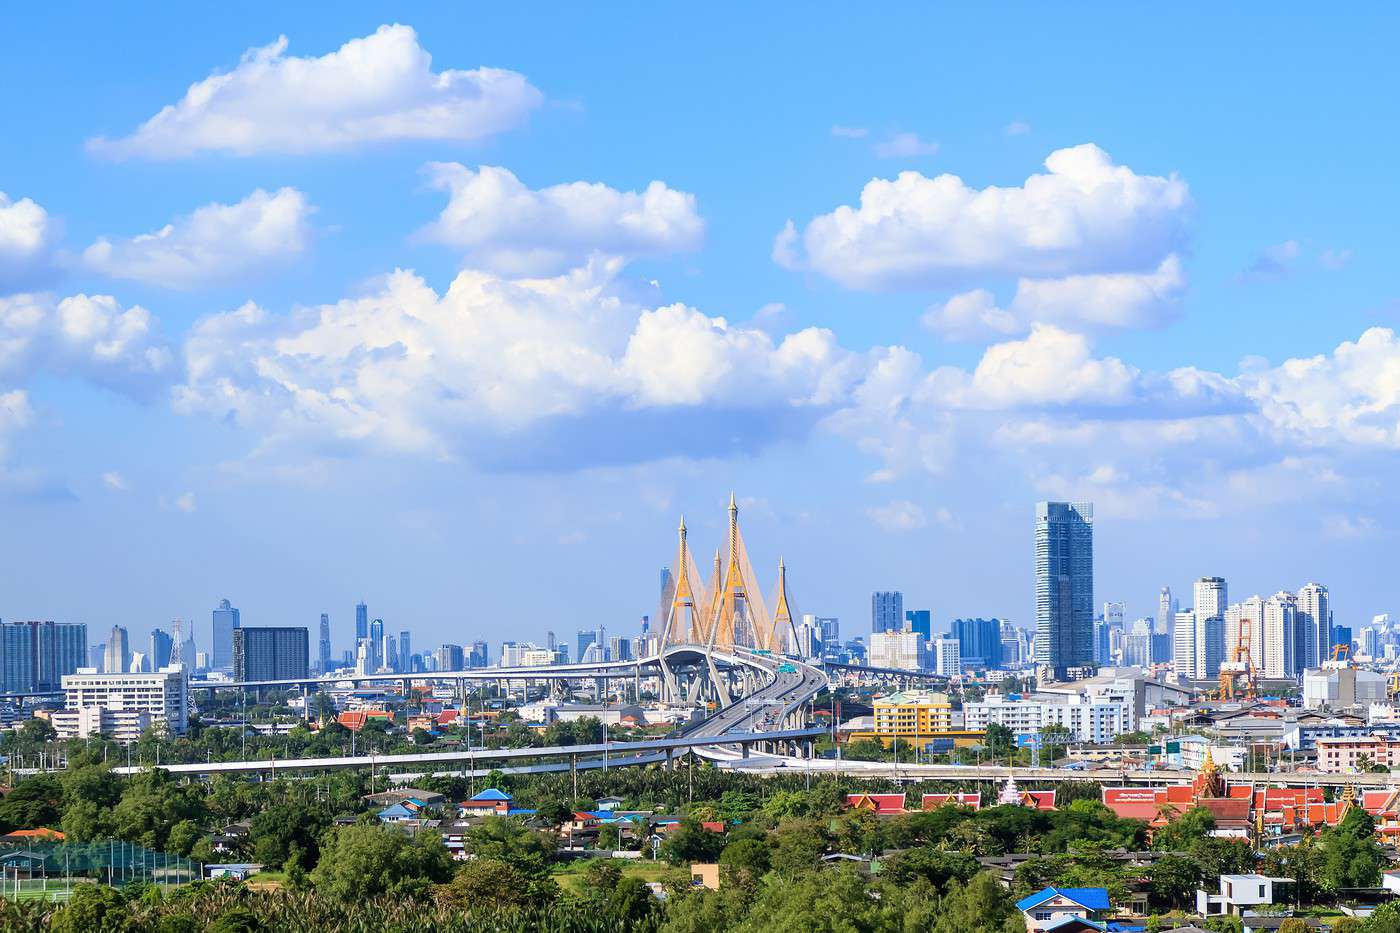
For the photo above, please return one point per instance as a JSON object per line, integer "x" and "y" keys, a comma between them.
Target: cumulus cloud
{"x": 501, "y": 224}
{"x": 26, "y": 238}
{"x": 905, "y": 145}
{"x": 1086, "y": 215}
{"x": 1273, "y": 263}
{"x": 1081, "y": 302}
{"x": 89, "y": 336}
{"x": 375, "y": 89}
{"x": 218, "y": 243}
{"x": 901, "y": 515}
{"x": 493, "y": 361}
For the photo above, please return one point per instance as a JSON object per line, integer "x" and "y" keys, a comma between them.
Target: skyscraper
{"x": 887, "y": 612}
{"x": 361, "y": 621}
{"x": 1184, "y": 644}
{"x": 1212, "y": 599}
{"x": 389, "y": 653}
{"x": 162, "y": 646}
{"x": 586, "y": 637}
{"x": 323, "y": 646}
{"x": 1064, "y": 585}
{"x": 979, "y": 642}
{"x": 1314, "y": 625}
{"x": 1167, "y": 608}
{"x": 405, "y": 652}
{"x": 270, "y": 653}
{"x": 1281, "y": 636}
{"x": 921, "y": 621}
{"x": 225, "y": 622}
{"x": 118, "y": 656}
{"x": 376, "y": 644}
{"x": 34, "y": 656}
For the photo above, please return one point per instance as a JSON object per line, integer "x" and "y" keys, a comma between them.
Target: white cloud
{"x": 1334, "y": 259}
{"x": 785, "y": 247}
{"x": 89, "y": 336}
{"x": 503, "y": 225}
{"x": 1080, "y": 302}
{"x": 26, "y": 237}
{"x": 375, "y": 89}
{"x": 115, "y": 481}
{"x": 905, "y": 145}
{"x": 901, "y": 515}
{"x": 1087, "y": 215}
{"x": 1016, "y": 128}
{"x": 405, "y": 369}
{"x": 216, "y": 244}
{"x": 1349, "y": 397}
{"x": 849, "y": 132}
{"x": 184, "y": 502}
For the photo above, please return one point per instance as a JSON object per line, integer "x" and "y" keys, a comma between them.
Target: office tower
{"x": 389, "y": 657}
{"x": 34, "y": 656}
{"x": 561, "y": 653}
{"x": 1249, "y": 615}
{"x": 1113, "y": 614}
{"x": 1314, "y": 626}
{"x": 1010, "y": 638}
{"x": 1281, "y": 636}
{"x": 162, "y": 647}
{"x": 97, "y": 656}
{"x": 1137, "y": 648}
{"x": 118, "y": 659}
{"x": 1184, "y": 645}
{"x": 1341, "y": 635}
{"x": 1102, "y": 639}
{"x": 1368, "y": 644}
{"x": 1211, "y": 602}
{"x": 947, "y": 658}
{"x": 271, "y": 653}
{"x": 1064, "y": 586}
{"x": 809, "y": 638}
{"x": 323, "y": 645}
{"x": 375, "y": 640}
{"x": 480, "y": 655}
{"x": 620, "y": 648}
{"x": 979, "y": 642}
{"x": 451, "y": 658}
{"x": 921, "y": 621}
{"x": 887, "y": 612}
{"x": 1167, "y": 608}
{"x": 405, "y": 650}
{"x": 361, "y": 621}
{"x": 225, "y": 622}
{"x": 830, "y": 630}
{"x": 586, "y": 637}
{"x": 511, "y": 653}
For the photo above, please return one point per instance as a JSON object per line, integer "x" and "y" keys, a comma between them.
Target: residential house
{"x": 1065, "y": 910}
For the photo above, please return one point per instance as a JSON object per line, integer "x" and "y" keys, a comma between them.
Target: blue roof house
{"x": 1064, "y": 910}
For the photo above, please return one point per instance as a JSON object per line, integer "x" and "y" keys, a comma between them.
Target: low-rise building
{"x": 1088, "y": 719}
{"x": 1349, "y": 754}
{"x": 163, "y": 695}
{"x": 124, "y": 725}
{"x": 1061, "y": 908}
{"x": 1239, "y": 893}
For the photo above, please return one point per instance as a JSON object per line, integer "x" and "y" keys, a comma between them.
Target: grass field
{"x": 570, "y": 876}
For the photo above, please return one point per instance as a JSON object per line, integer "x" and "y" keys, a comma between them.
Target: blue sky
{"x": 1159, "y": 306}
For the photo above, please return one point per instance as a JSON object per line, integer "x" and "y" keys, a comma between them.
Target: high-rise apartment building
{"x": 323, "y": 645}
{"x": 1212, "y": 599}
{"x": 1064, "y": 586}
{"x": 34, "y": 656}
{"x": 979, "y": 642}
{"x": 809, "y": 638}
{"x": 225, "y": 623}
{"x": 405, "y": 652}
{"x": 480, "y": 655}
{"x": 947, "y": 657}
{"x": 1184, "y": 645}
{"x": 1314, "y": 625}
{"x": 830, "y": 630}
{"x": 376, "y": 644}
{"x": 897, "y": 649}
{"x": 451, "y": 658}
{"x": 887, "y": 612}
{"x": 389, "y": 654}
{"x": 1281, "y": 636}
{"x": 118, "y": 656}
{"x": 162, "y": 647}
{"x": 271, "y": 653}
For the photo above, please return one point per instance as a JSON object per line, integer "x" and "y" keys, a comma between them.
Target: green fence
{"x": 51, "y": 869}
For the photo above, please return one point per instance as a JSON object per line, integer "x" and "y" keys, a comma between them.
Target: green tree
{"x": 93, "y": 907}
{"x": 797, "y": 845}
{"x": 1178, "y": 835}
{"x": 34, "y": 802}
{"x": 363, "y": 861}
{"x": 691, "y": 842}
{"x": 1351, "y": 856}
{"x": 1173, "y": 880}
{"x": 488, "y": 881}
{"x": 744, "y": 861}
{"x": 942, "y": 870}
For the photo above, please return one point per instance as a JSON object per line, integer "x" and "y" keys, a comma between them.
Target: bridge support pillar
{"x": 744, "y": 748}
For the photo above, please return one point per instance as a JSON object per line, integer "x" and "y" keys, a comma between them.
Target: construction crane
{"x": 1238, "y": 668}
{"x": 1341, "y": 656}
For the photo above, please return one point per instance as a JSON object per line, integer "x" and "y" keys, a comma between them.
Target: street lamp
{"x": 655, "y": 841}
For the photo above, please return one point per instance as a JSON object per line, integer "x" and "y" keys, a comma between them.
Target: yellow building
{"x": 918, "y": 719}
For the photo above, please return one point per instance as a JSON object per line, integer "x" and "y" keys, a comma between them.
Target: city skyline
{"x": 1207, "y": 360}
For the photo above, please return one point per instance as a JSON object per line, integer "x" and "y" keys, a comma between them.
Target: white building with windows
{"x": 903, "y": 650}
{"x": 1088, "y": 717}
{"x": 947, "y": 657}
{"x": 163, "y": 695}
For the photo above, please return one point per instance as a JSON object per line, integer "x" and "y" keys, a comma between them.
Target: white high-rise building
{"x": 947, "y": 657}
{"x": 1314, "y": 625}
{"x": 1184, "y": 645}
{"x": 1210, "y": 593}
{"x": 1250, "y": 614}
{"x": 1281, "y": 636}
{"x": 164, "y": 695}
{"x": 901, "y": 650}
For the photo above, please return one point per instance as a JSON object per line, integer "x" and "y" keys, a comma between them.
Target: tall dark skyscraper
{"x": 405, "y": 653}
{"x": 376, "y": 644}
{"x": 323, "y": 645}
{"x": 162, "y": 645}
{"x": 887, "y": 612}
{"x": 586, "y": 637}
{"x": 361, "y": 622}
{"x": 35, "y": 655}
{"x": 979, "y": 643}
{"x": 225, "y": 623}
{"x": 271, "y": 653}
{"x": 921, "y": 621}
{"x": 1064, "y": 585}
